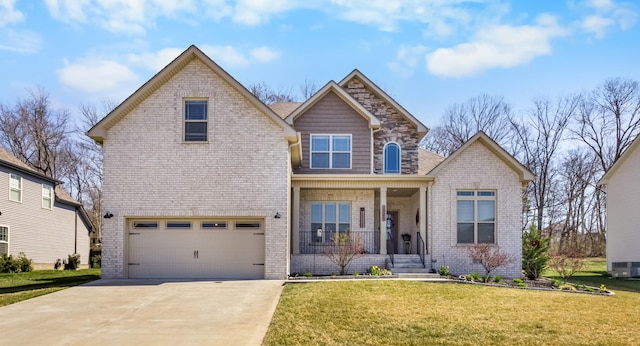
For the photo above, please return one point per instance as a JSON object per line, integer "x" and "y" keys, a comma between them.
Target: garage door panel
{"x": 184, "y": 254}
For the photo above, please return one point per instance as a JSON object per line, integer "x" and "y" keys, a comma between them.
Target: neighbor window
{"x": 15, "y": 188}
{"x": 47, "y": 196}
{"x": 392, "y": 158}
{"x": 330, "y": 151}
{"x": 476, "y": 217}
{"x": 330, "y": 217}
{"x": 4, "y": 234}
{"x": 195, "y": 121}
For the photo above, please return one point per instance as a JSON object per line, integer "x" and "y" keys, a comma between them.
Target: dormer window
{"x": 392, "y": 158}
{"x": 331, "y": 151}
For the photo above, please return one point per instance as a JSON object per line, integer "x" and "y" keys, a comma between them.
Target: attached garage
{"x": 196, "y": 248}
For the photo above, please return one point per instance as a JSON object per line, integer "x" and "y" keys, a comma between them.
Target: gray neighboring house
{"x": 38, "y": 217}
{"x": 203, "y": 180}
{"x": 623, "y": 199}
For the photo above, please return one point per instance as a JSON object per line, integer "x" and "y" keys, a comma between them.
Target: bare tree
{"x": 490, "y": 257}
{"x": 345, "y": 248}
{"x": 463, "y": 120}
{"x": 36, "y": 134}
{"x": 537, "y": 143}
{"x": 307, "y": 88}
{"x": 268, "y": 95}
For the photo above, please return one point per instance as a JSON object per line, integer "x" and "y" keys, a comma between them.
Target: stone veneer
{"x": 394, "y": 128}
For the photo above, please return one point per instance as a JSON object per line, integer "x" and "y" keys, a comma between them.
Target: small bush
{"x": 73, "y": 262}
{"x": 589, "y": 289}
{"x": 557, "y": 283}
{"x": 475, "y": 276}
{"x": 96, "y": 262}
{"x": 519, "y": 282}
{"x": 356, "y": 273}
{"x": 497, "y": 278}
{"x": 9, "y": 264}
{"x": 377, "y": 271}
{"x": 307, "y": 274}
{"x": 444, "y": 271}
{"x": 567, "y": 263}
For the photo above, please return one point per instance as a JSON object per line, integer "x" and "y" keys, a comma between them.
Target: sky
{"x": 427, "y": 54}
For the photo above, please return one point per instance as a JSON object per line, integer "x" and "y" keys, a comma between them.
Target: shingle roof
{"x": 427, "y": 160}
{"x": 283, "y": 109}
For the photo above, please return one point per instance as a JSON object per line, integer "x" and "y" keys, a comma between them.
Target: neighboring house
{"x": 38, "y": 217}
{"x": 623, "y": 218}
{"x": 205, "y": 181}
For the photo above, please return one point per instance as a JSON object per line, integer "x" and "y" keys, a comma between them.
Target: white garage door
{"x": 191, "y": 249}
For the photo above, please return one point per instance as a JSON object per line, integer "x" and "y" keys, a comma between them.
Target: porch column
{"x": 295, "y": 220}
{"x": 423, "y": 213}
{"x": 383, "y": 220}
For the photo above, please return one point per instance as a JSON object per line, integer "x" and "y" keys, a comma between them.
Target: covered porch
{"x": 387, "y": 213}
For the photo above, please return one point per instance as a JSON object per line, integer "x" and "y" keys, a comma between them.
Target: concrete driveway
{"x": 145, "y": 312}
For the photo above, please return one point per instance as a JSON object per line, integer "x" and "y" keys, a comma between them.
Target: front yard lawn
{"x": 385, "y": 312}
{"x": 23, "y": 286}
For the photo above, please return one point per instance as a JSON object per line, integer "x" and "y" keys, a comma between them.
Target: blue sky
{"x": 426, "y": 54}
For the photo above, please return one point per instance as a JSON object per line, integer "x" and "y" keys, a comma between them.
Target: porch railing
{"x": 312, "y": 243}
{"x": 421, "y": 249}
{"x": 390, "y": 247}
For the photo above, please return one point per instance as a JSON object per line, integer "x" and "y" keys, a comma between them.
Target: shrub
{"x": 307, "y": 274}
{"x": 344, "y": 248}
{"x": 356, "y": 273}
{"x": 73, "y": 262}
{"x": 96, "y": 262}
{"x": 519, "y": 282}
{"x": 535, "y": 255}
{"x": 567, "y": 264}
{"x": 444, "y": 271}
{"x": 497, "y": 279}
{"x": 377, "y": 271}
{"x": 489, "y": 256}
{"x": 9, "y": 264}
{"x": 475, "y": 276}
{"x": 557, "y": 283}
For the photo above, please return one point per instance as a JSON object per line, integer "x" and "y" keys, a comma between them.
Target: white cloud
{"x": 97, "y": 75}
{"x": 264, "y": 54}
{"x": 407, "y": 58}
{"x": 8, "y": 13}
{"x": 155, "y": 61}
{"x": 20, "y": 41}
{"x": 496, "y": 46}
{"x": 597, "y": 25}
{"x": 131, "y": 17}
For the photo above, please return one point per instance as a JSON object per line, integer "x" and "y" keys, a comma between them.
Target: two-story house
{"x": 203, "y": 180}
{"x": 38, "y": 218}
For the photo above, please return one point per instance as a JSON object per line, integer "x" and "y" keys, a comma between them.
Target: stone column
{"x": 295, "y": 220}
{"x": 383, "y": 220}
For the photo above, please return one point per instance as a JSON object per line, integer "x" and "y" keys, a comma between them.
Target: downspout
{"x": 75, "y": 238}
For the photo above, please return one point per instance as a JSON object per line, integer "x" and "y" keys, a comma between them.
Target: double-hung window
{"x": 329, "y": 218}
{"x": 15, "y": 188}
{"x": 195, "y": 120}
{"x": 476, "y": 217}
{"x": 392, "y": 158}
{"x": 331, "y": 151}
{"x": 47, "y": 196}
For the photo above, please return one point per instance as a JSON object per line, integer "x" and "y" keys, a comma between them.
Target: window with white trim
{"x": 15, "y": 188}
{"x": 330, "y": 151}
{"x": 47, "y": 196}
{"x": 195, "y": 120}
{"x": 476, "y": 217}
{"x": 4, "y": 234}
{"x": 330, "y": 217}
{"x": 392, "y": 158}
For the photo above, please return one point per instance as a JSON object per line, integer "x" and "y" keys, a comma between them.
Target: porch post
{"x": 295, "y": 220}
{"x": 423, "y": 213}
{"x": 383, "y": 220}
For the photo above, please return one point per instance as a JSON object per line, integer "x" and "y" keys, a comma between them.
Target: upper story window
{"x": 476, "y": 216}
{"x": 392, "y": 158}
{"x": 195, "y": 120}
{"x": 47, "y": 196}
{"x": 15, "y": 188}
{"x": 331, "y": 151}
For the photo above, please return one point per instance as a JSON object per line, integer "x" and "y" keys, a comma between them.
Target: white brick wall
{"x": 476, "y": 168}
{"x": 150, "y": 172}
{"x": 321, "y": 265}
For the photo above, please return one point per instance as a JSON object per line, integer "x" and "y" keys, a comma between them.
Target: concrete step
{"x": 426, "y": 276}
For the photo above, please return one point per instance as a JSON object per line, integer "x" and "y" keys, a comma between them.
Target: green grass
{"x": 22, "y": 286}
{"x": 595, "y": 273}
{"x": 385, "y": 312}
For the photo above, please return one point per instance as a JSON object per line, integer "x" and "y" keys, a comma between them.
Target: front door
{"x": 392, "y": 227}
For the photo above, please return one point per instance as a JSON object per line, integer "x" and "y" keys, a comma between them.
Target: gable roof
{"x": 481, "y": 137}
{"x": 99, "y": 130}
{"x": 427, "y": 160}
{"x": 616, "y": 165}
{"x": 421, "y": 128}
{"x": 336, "y": 89}
{"x": 283, "y": 109}
{"x": 7, "y": 159}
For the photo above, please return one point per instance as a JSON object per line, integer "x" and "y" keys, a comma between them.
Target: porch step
{"x": 408, "y": 264}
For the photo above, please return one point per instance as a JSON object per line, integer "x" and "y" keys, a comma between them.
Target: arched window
{"x": 392, "y": 158}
